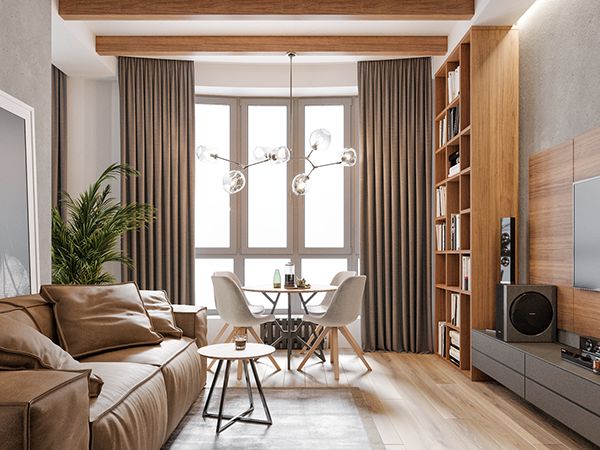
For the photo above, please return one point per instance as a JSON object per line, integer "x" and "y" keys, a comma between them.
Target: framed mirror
{"x": 19, "y": 251}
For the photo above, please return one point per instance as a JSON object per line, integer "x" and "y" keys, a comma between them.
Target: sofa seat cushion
{"x": 181, "y": 368}
{"x": 155, "y": 355}
{"x": 131, "y": 411}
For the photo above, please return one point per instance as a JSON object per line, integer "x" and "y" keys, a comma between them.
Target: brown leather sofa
{"x": 147, "y": 389}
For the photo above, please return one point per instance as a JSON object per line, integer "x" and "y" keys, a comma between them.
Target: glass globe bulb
{"x": 300, "y": 184}
{"x": 234, "y": 181}
{"x": 320, "y": 139}
{"x": 205, "y": 153}
{"x": 349, "y": 157}
{"x": 262, "y": 153}
{"x": 281, "y": 155}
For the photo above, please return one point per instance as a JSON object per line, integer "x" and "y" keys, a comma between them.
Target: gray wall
{"x": 25, "y": 62}
{"x": 560, "y": 84}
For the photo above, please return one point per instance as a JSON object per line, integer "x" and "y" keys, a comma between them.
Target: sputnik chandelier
{"x": 235, "y": 180}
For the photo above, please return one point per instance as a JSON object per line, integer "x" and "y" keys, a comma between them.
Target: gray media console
{"x": 569, "y": 393}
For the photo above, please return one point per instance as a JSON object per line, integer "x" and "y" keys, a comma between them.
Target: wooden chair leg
{"x": 260, "y": 341}
{"x": 335, "y": 353}
{"x": 229, "y": 339}
{"x": 313, "y": 348}
{"x": 346, "y": 332}
{"x": 220, "y": 333}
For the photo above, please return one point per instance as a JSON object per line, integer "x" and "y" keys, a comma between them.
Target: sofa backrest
{"x": 31, "y": 310}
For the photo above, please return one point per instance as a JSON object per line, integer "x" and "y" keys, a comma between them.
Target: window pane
{"x": 267, "y": 183}
{"x": 324, "y": 203}
{"x": 205, "y": 267}
{"x": 212, "y": 202}
{"x": 259, "y": 272}
{"x": 321, "y": 271}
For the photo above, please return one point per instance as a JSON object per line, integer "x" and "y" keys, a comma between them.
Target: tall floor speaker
{"x": 526, "y": 313}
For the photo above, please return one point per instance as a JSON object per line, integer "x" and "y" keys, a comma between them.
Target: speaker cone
{"x": 531, "y": 313}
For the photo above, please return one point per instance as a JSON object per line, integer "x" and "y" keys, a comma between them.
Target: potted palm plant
{"x": 86, "y": 238}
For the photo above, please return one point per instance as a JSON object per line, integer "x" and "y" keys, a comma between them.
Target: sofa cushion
{"x": 161, "y": 313}
{"x": 131, "y": 411}
{"x": 114, "y": 317}
{"x": 181, "y": 367}
{"x": 31, "y": 310}
{"x": 24, "y": 348}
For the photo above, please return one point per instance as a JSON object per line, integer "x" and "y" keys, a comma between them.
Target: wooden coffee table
{"x": 227, "y": 353}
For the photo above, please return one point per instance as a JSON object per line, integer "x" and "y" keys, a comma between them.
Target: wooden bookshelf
{"x": 486, "y": 187}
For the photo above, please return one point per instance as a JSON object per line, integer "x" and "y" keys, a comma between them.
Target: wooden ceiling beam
{"x": 190, "y": 9}
{"x": 341, "y": 45}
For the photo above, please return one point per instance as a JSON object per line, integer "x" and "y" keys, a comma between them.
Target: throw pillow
{"x": 25, "y": 348}
{"x": 94, "y": 319}
{"x": 160, "y": 311}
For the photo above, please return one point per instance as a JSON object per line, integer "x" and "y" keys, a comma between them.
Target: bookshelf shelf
{"x": 485, "y": 144}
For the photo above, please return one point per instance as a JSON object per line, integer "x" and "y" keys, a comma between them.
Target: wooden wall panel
{"x": 551, "y": 176}
{"x": 550, "y": 225}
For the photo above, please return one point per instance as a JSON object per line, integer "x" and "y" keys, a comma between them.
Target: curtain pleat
{"x": 59, "y": 136}
{"x": 157, "y": 139}
{"x": 395, "y": 202}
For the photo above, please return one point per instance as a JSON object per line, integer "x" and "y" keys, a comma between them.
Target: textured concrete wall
{"x": 25, "y": 73}
{"x": 560, "y": 84}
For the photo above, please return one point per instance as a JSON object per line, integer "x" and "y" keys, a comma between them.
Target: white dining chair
{"x": 233, "y": 308}
{"x": 344, "y": 309}
{"x": 255, "y": 309}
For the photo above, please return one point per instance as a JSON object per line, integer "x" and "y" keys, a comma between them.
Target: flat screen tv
{"x": 586, "y": 234}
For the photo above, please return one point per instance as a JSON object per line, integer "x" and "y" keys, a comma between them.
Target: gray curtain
{"x": 59, "y": 135}
{"x": 157, "y": 139}
{"x": 395, "y": 203}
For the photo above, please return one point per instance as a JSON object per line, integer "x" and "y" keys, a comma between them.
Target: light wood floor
{"x": 420, "y": 402}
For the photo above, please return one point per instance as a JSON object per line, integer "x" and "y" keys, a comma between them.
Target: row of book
{"x": 466, "y": 273}
{"x": 453, "y": 122}
{"x": 440, "y": 236}
{"x": 440, "y": 201}
{"x": 455, "y": 309}
{"x": 442, "y": 338}
{"x": 454, "y": 348}
{"x": 442, "y": 132}
{"x": 454, "y": 163}
{"x": 453, "y": 84}
{"x": 454, "y": 231}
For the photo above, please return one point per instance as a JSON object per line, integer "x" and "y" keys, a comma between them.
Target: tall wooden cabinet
{"x": 485, "y": 139}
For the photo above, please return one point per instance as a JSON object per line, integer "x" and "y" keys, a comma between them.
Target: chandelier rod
{"x": 291, "y": 125}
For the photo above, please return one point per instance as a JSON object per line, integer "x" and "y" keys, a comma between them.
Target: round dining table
{"x": 290, "y": 333}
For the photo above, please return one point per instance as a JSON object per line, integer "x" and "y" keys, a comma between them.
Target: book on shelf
{"x": 453, "y": 170}
{"x": 466, "y": 273}
{"x": 454, "y": 338}
{"x": 454, "y": 231}
{"x": 454, "y": 355}
{"x": 440, "y": 201}
{"x": 453, "y": 125}
{"x": 453, "y": 84}
{"x": 442, "y": 132}
{"x": 442, "y": 338}
{"x": 454, "y": 163}
{"x": 440, "y": 236}
{"x": 455, "y": 309}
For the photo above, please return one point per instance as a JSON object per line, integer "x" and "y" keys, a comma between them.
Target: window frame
{"x": 296, "y": 249}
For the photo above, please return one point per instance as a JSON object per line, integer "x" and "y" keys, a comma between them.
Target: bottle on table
{"x": 290, "y": 275}
{"x": 277, "y": 279}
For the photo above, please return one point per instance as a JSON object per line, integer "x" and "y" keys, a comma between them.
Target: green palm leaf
{"x": 84, "y": 241}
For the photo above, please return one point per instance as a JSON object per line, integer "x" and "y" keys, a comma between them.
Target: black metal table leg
{"x": 242, "y": 416}
{"x": 289, "y": 331}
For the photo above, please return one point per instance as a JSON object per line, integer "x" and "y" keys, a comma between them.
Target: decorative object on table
{"x": 235, "y": 180}
{"x": 247, "y": 357}
{"x": 277, "y": 279}
{"x": 240, "y": 341}
{"x": 303, "y": 284}
{"x": 88, "y": 237}
{"x": 19, "y": 260}
{"x": 290, "y": 275}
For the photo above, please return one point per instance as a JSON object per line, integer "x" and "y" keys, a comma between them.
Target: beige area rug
{"x": 304, "y": 418}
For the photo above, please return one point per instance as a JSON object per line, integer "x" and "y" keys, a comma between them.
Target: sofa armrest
{"x": 41, "y": 409}
{"x": 192, "y": 320}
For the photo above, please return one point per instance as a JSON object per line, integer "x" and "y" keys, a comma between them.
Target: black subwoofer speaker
{"x": 526, "y": 313}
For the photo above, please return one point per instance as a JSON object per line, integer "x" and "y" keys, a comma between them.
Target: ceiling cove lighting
{"x": 235, "y": 180}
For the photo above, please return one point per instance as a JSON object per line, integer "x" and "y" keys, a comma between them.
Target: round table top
{"x": 228, "y": 351}
{"x": 284, "y": 290}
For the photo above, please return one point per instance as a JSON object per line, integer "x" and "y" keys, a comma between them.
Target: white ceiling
{"x": 73, "y": 42}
